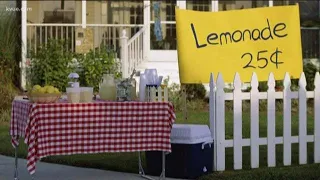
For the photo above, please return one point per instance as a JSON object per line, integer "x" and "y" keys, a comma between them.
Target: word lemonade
{"x": 260, "y": 40}
{"x": 278, "y": 31}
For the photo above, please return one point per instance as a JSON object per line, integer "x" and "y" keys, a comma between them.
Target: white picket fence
{"x": 217, "y": 121}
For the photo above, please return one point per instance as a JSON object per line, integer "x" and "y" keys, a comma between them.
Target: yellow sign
{"x": 260, "y": 40}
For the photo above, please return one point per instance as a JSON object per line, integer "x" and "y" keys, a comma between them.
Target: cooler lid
{"x": 190, "y": 134}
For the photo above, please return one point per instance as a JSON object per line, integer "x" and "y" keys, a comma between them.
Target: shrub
{"x": 94, "y": 64}
{"x": 7, "y": 93}
{"x": 176, "y": 98}
{"x": 10, "y": 46}
{"x": 50, "y": 65}
{"x": 5, "y": 115}
{"x": 195, "y": 91}
{"x": 310, "y": 71}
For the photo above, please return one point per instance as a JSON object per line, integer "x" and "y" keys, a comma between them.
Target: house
{"x": 88, "y": 24}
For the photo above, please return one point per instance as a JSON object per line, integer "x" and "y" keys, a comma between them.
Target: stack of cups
{"x": 79, "y": 94}
{"x": 73, "y": 94}
{"x": 86, "y": 94}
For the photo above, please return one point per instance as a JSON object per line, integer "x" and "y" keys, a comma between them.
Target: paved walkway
{"x": 48, "y": 171}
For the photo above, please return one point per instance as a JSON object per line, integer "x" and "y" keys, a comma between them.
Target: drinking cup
{"x": 86, "y": 94}
{"x": 73, "y": 94}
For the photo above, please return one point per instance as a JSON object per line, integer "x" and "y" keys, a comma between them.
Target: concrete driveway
{"x": 48, "y": 171}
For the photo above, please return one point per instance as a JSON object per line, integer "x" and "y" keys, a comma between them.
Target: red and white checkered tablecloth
{"x": 81, "y": 128}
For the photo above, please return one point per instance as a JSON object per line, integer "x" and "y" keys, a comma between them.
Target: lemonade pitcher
{"x": 107, "y": 88}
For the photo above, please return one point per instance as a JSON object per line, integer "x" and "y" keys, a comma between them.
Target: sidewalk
{"x": 47, "y": 171}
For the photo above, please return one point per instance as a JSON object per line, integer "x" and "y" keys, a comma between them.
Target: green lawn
{"x": 128, "y": 162}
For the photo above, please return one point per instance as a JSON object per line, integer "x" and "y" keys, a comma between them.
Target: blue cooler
{"x": 191, "y": 153}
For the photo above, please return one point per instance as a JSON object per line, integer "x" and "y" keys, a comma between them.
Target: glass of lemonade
{"x": 86, "y": 94}
{"x": 73, "y": 94}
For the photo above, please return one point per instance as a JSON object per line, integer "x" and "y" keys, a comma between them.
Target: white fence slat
{"x": 302, "y": 120}
{"x": 317, "y": 118}
{"x": 153, "y": 94}
{"x": 165, "y": 94}
{"x": 160, "y": 91}
{"x": 271, "y": 122}
{"x": 220, "y": 123}
{"x": 212, "y": 119}
{"x": 287, "y": 120}
{"x": 237, "y": 122}
{"x": 254, "y": 124}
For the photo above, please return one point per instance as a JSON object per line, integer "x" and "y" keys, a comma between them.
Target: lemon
{"x": 46, "y": 86}
{"x": 42, "y": 90}
{"x": 50, "y": 89}
{"x": 56, "y": 90}
{"x": 36, "y": 87}
{"x": 34, "y": 90}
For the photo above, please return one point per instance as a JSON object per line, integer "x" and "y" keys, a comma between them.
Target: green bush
{"x": 50, "y": 65}
{"x": 310, "y": 72}
{"x": 94, "y": 64}
{"x": 5, "y": 115}
{"x": 10, "y": 46}
{"x": 176, "y": 98}
{"x": 7, "y": 92}
{"x": 195, "y": 91}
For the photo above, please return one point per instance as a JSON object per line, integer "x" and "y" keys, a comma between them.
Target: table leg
{"x": 163, "y": 173}
{"x": 16, "y": 163}
{"x": 141, "y": 171}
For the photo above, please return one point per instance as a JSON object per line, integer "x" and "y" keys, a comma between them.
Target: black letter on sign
{"x": 253, "y": 33}
{"x": 195, "y": 37}
{"x": 226, "y": 35}
{"x": 211, "y": 37}
{"x": 268, "y": 31}
{"x": 275, "y": 29}
{"x": 234, "y": 36}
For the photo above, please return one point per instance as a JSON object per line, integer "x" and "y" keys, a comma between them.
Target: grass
{"x": 128, "y": 162}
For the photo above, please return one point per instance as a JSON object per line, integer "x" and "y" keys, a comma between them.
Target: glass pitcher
{"x": 107, "y": 88}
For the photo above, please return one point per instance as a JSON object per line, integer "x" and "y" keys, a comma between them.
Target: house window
{"x": 136, "y": 16}
{"x": 281, "y": 2}
{"x": 310, "y": 43}
{"x": 59, "y": 16}
{"x": 60, "y": 11}
{"x": 168, "y": 26}
{"x": 225, "y": 5}
{"x": 199, "y": 5}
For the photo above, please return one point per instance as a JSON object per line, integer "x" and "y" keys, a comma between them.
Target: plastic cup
{"x": 86, "y": 94}
{"x": 73, "y": 95}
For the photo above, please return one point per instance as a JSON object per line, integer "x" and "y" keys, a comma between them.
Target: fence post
{"x": 302, "y": 120}
{"x": 220, "y": 124}
{"x": 237, "y": 122}
{"x": 212, "y": 114}
{"x": 271, "y": 122}
{"x": 124, "y": 54}
{"x": 317, "y": 118}
{"x": 287, "y": 120}
{"x": 254, "y": 124}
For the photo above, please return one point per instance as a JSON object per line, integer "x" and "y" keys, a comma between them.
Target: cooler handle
{"x": 205, "y": 143}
